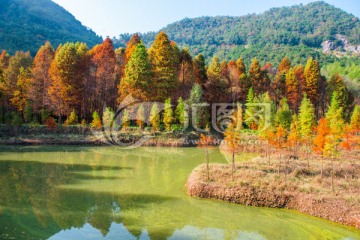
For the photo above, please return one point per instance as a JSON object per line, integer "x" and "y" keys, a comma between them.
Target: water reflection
{"x": 102, "y": 193}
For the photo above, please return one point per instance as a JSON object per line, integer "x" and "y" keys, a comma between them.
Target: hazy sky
{"x": 112, "y": 17}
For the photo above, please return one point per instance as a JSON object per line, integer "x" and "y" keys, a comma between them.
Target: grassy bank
{"x": 288, "y": 184}
{"x": 84, "y": 135}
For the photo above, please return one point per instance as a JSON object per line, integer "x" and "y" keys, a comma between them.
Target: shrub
{"x": 16, "y": 119}
{"x": 96, "y": 122}
{"x": 72, "y": 119}
{"x": 50, "y": 123}
{"x": 44, "y": 114}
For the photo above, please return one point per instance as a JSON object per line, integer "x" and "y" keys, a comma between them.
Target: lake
{"x": 58, "y": 192}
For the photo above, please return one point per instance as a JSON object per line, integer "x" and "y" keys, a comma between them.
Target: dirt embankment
{"x": 258, "y": 184}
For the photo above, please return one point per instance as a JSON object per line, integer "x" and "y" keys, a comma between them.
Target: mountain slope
{"x": 27, "y": 24}
{"x": 300, "y": 30}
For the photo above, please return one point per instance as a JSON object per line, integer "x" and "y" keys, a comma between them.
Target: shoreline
{"x": 78, "y": 135}
{"x": 337, "y": 207}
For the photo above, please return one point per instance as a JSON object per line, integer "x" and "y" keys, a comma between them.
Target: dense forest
{"x": 75, "y": 82}
{"x": 28, "y": 24}
{"x": 296, "y": 32}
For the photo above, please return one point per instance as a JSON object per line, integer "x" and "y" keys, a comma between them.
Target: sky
{"x": 113, "y": 17}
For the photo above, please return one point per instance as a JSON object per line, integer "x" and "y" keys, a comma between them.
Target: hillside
{"x": 298, "y": 31}
{"x": 27, "y": 24}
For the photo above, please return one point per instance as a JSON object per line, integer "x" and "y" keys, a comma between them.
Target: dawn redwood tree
{"x": 255, "y": 76}
{"x": 250, "y": 110}
{"x": 181, "y": 114}
{"x": 283, "y": 115}
{"x": 140, "y": 117}
{"x": 165, "y": 62}
{"x": 225, "y": 74}
{"x": 344, "y": 98}
{"x": 232, "y": 139}
{"x": 280, "y": 143}
{"x": 20, "y": 95}
{"x": 294, "y": 134}
{"x": 312, "y": 78}
{"x": 66, "y": 86}
{"x": 11, "y": 74}
{"x": 206, "y": 143}
{"x": 125, "y": 120}
{"x": 306, "y": 118}
{"x": 320, "y": 139}
{"x": 137, "y": 79}
{"x": 200, "y": 70}
{"x": 154, "y": 117}
{"x": 284, "y": 65}
{"x": 234, "y": 86}
{"x": 186, "y": 74}
{"x": 104, "y": 60}
{"x": 216, "y": 88}
{"x": 244, "y": 80}
{"x": 278, "y": 86}
{"x": 335, "y": 111}
{"x": 292, "y": 90}
{"x": 40, "y": 78}
{"x": 4, "y": 59}
{"x": 131, "y": 46}
{"x": 306, "y": 122}
{"x": 96, "y": 121}
{"x": 168, "y": 114}
{"x": 355, "y": 120}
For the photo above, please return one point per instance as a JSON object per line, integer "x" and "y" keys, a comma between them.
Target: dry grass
{"x": 287, "y": 183}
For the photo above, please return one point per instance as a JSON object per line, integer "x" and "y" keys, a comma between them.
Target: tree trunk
{"x": 207, "y": 164}
{"x": 332, "y": 175}
{"x": 233, "y": 165}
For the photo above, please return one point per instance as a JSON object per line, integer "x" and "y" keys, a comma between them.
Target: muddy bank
{"x": 256, "y": 184}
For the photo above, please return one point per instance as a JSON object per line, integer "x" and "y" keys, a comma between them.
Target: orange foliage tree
{"x": 206, "y": 142}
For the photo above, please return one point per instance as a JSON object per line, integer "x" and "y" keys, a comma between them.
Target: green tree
{"x": 154, "y": 117}
{"x": 294, "y": 134}
{"x": 16, "y": 119}
{"x": 196, "y": 95}
{"x": 108, "y": 117}
{"x": 283, "y": 115}
{"x": 96, "y": 121}
{"x": 250, "y": 110}
{"x": 165, "y": 63}
{"x": 137, "y": 79}
{"x": 306, "y": 118}
{"x": 125, "y": 120}
{"x": 355, "y": 119}
{"x": 28, "y": 112}
{"x": 140, "y": 117}
{"x": 200, "y": 70}
{"x": 336, "y": 84}
{"x": 181, "y": 115}
{"x": 72, "y": 119}
{"x": 335, "y": 111}
{"x": 168, "y": 114}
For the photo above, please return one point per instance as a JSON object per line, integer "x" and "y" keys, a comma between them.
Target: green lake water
{"x": 108, "y": 193}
